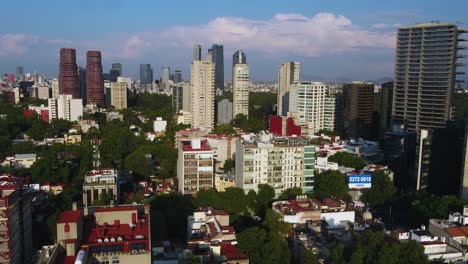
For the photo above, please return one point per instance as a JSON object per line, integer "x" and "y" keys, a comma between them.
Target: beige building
{"x": 119, "y": 95}
{"x": 240, "y": 87}
{"x": 202, "y": 93}
{"x": 224, "y": 181}
{"x": 72, "y": 139}
{"x": 287, "y": 75}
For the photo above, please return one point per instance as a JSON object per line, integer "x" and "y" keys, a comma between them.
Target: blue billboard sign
{"x": 360, "y": 181}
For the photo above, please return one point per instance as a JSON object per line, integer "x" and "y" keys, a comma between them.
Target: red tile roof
{"x": 115, "y": 209}
{"x": 70, "y": 216}
{"x": 231, "y": 252}
{"x": 456, "y": 231}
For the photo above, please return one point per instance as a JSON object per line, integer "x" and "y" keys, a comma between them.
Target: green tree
{"x": 290, "y": 193}
{"x": 348, "y": 160}
{"x": 223, "y": 129}
{"x": 274, "y": 224}
{"x": 228, "y": 165}
{"x": 381, "y": 191}
{"x": 104, "y": 199}
{"x": 261, "y": 201}
{"x": 331, "y": 183}
{"x": 137, "y": 197}
{"x": 336, "y": 253}
{"x": 412, "y": 253}
{"x": 311, "y": 257}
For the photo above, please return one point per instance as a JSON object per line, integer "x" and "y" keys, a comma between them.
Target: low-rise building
{"x": 159, "y": 125}
{"x": 19, "y": 161}
{"x": 224, "y": 181}
{"x": 119, "y": 234}
{"x": 100, "y": 182}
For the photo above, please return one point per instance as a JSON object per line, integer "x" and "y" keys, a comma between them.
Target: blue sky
{"x": 333, "y": 39}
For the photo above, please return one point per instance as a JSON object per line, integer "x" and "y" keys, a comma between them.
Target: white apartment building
{"x": 65, "y": 107}
{"x": 277, "y": 161}
{"x": 288, "y": 74}
{"x": 240, "y": 87}
{"x": 329, "y": 113}
{"x": 55, "y": 88}
{"x": 119, "y": 95}
{"x": 43, "y": 92}
{"x": 99, "y": 182}
{"x": 202, "y": 93}
{"x": 195, "y": 166}
{"x": 308, "y": 99}
{"x": 159, "y": 125}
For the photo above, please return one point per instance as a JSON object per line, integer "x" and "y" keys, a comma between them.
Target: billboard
{"x": 360, "y": 181}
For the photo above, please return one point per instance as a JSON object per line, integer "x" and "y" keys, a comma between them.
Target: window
{"x": 115, "y": 260}
{"x": 105, "y": 260}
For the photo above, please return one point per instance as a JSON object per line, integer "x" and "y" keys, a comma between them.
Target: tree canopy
{"x": 381, "y": 191}
{"x": 331, "y": 183}
{"x": 348, "y": 160}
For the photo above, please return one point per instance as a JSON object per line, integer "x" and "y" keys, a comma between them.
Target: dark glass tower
{"x": 177, "y": 76}
{"x": 239, "y": 58}
{"x": 94, "y": 78}
{"x": 82, "y": 81}
{"x": 218, "y": 60}
{"x": 117, "y": 66}
{"x": 68, "y": 73}
{"x": 146, "y": 74}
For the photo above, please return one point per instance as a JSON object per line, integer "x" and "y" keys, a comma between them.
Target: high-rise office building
{"x": 82, "y": 83}
{"x": 19, "y": 73}
{"x": 240, "y": 89}
{"x": 68, "y": 73}
{"x": 386, "y": 104}
{"x": 239, "y": 57}
{"x": 94, "y": 78}
{"x": 178, "y": 76}
{"x": 118, "y": 95}
{"x": 358, "y": 108}
{"x": 146, "y": 74}
{"x": 288, "y": 74}
{"x": 308, "y": 99}
{"x": 209, "y": 55}
{"x": 165, "y": 73}
{"x": 218, "y": 60}
{"x": 117, "y": 66}
{"x": 425, "y": 74}
{"x": 197, "y": 49}
{"x": 224, "y": 115}
{"x": 202, "y": 91}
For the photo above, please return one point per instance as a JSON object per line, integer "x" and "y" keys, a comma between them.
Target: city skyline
{"x": 369, "y": 54}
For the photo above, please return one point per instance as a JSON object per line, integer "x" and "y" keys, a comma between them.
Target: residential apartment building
{"x": 16, "y": 241}
{"x": 65, "y": 107}
{"x": 118, "y": 95}
{"x": 308, "y": 99}
{"x": 425, "y": 74}
{"x": 195, "y": 166}
{"x": 288, "y": 74}
{"x": 277, "y": 161}
{"x": 240, "y": 88}
{"x": 202, "y": 93}
{"x": 329, "y": 113}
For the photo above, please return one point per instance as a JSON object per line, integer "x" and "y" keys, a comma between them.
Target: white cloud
{"x": 16, "y": 44}
{"x": 380, "y": 26}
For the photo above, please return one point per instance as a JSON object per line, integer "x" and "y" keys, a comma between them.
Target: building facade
{"x": 65, "y": 107}
{"x": 195, "y": 166}
{"x": 98, "y": 183}
{"x": 425, "y": 74}
{"x": 276, "y": 161}
{"x": 217, "y": 52}
{"x": 224, "y": 111}
{"x": 386, "y": 104}
{"x": 118, "y": 95}
{"x": 358, "y": 100}
{"x": 146, "y": 74}
{"x": 202, "y": 93}
{"x": 197, "y": 52}
{"x": 165, "y": 73}
{"x": 288, "y": 74}
{"x": 68, "y": 73}
{"x": 239, "y": 57}
{"x": 240, "y": 88}
{"x": 94, "y": 79}
{"x": 308, "y": 99}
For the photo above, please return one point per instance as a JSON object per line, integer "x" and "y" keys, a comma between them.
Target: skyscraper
{"x": 202, "y": 91}
{"x": 117, "y": 66}
{"x": 239, "y": 57}
{"x": 165, "y": 73}
{"x": 146, "y": 74}
{"x": 177, "y": 76}
{"x": 240, "y": 89}
{"x": 358, "y": 108}
{"x": 209, "y": 55}
{"x": 425, "y": 75}
{"x": 19, "y": 73}
{"x": 118, "y": 95}
{"x": 218, "y": 60}
{"x": 68, "y": 73}
{"x": 82, "y": 82}
{"x": 197, "y": 52}
{"x": 287, "y": 75}
{"x": 386, "y": 103}
{"x": 94, "y": 78}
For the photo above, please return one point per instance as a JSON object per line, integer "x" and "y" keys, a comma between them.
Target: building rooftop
{"x": 189, "y": 146}
{"x": 457, "y": 231}
{"x": 231, "y": 252}
{"x": 69, "y": 217}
